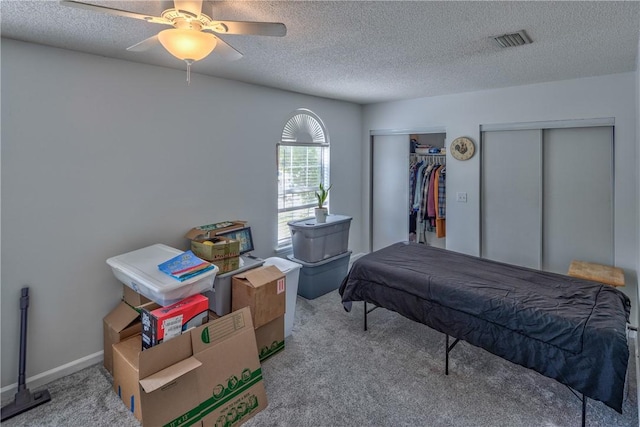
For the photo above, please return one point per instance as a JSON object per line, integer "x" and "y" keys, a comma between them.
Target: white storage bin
{"x": 291, "y": 271}
{"x": 139, "y": 270}
{"x": 313, "y": 242}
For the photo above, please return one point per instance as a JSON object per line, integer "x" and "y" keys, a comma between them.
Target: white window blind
{"x": 303, "y": 163}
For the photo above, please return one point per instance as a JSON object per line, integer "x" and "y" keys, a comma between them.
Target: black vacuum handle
{"x": 24, "y": 304}
{"x": 24, "y": 299}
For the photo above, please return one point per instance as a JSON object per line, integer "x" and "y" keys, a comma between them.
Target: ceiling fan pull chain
{"x": 188, "y": 73}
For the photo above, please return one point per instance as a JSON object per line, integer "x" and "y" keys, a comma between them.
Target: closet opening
{"x": 399, "y": 199}
{"x": 427, "y": 189}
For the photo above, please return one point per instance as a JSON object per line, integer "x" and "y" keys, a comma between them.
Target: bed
{"x": 565, "y": 328}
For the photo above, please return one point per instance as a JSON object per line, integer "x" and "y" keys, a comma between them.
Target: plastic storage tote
{"x": 220, "y": 295}
{"x": 139, "y": 271}
{"x": 319, "y": 278}
{"x": 291, "y": 271}
{"x": 314, "y": 242}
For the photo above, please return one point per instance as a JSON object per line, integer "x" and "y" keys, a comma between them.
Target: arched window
{"x": 303, "y": 163}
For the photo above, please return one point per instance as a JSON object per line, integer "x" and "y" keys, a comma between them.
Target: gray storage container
{"x": 314, "y": 242}
{"x": 220, "y": 295}
{"x": 319, "y": 278}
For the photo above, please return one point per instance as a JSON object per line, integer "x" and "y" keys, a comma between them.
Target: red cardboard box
{"x": 163, "y": 323}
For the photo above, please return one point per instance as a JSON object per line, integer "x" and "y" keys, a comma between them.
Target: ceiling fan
{"x": 194, "y": 35}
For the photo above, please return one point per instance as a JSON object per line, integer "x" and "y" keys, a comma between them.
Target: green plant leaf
{"x": 323, "y": 194}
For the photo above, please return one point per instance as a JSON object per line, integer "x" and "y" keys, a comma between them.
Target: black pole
{"x": 24, "y": 305}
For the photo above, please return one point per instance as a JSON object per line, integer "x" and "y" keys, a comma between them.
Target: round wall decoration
{"x": 462, "y": 148}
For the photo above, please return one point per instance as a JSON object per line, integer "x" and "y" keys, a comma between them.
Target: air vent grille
{"x": 514, "y": 39}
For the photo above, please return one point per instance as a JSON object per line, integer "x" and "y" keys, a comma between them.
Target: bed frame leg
{"x": 367, "y": 311}
{"x": 365, "y": 315}
{"x": 446, "y": 359}
{"x": 448, "y": 349}
{"x": 584, "y": 409}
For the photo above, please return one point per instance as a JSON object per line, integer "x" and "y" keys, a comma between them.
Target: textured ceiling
{"x": 363, "y": 51}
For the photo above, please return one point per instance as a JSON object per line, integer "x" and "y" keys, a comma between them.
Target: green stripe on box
{"x": 211, "y": 404}
{"x": 267, "y": 352}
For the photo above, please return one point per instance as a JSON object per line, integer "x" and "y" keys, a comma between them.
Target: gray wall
{"x": 102, "y": 156}
{"x": 463, "y": 114}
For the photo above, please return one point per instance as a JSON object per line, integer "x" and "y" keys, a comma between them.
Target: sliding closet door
{"x": 578, "y": 197}
{"x": 511, "y": 197}
{"x": 390, "y": 192}
{"x": 547, "y": 196}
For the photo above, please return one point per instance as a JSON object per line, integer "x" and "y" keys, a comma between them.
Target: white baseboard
{"x": 46, "y": 377}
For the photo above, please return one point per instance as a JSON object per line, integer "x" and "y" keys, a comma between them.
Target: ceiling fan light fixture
{"x": 187, "y": 44}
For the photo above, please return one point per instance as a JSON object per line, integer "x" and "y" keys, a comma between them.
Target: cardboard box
{"x": 216, "y": 248}
{"x": 173, "y": 365}
{"x": 270, "y": 338}
{"x": 263, "y": 290}
{"x": 133, "y": 298}
{"x": 122, "y": 322}
{"x": 232, "y": 367}
{"x": 163, "y": 323}
{"x": 209, "y": 376}
{"x": 204, "y": 232}
{"x": 228, "y": 264}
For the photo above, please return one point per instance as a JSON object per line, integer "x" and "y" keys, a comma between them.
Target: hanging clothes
{"x": 422, "y": 210}
{"x": 415, "y": 170}
{"x": 441, "y": 200}
{"x": 427, "y": 197}
{"x": 432, "y": 201}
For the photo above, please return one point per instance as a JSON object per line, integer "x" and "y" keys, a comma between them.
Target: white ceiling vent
{"x": 514, "y": 39}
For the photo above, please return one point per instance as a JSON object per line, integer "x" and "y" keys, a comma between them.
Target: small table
{"x": 606, "y": 274}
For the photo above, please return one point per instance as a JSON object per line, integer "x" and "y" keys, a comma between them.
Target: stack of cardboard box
{"x": 208, "y": 375}
{"x": 191, "y": 379}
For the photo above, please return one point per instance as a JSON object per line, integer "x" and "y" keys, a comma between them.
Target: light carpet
{"x": 332, "y": 373}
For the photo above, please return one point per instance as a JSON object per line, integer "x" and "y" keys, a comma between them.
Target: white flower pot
{"x": 321, "y": 215}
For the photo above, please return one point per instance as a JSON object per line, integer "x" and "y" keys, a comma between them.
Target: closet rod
{"x": 428, "y": 155}
{"x": 430, "y": 158}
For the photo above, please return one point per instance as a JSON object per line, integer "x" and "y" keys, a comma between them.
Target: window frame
{"x": 302, "y": 140}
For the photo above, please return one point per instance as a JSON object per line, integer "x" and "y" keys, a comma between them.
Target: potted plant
{"x": 321, "y": 211}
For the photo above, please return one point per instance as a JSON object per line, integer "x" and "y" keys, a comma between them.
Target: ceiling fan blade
{"x": 194, "y": 7}
{"x": 275, "y": 29}
{"x": 116, "y": 12}
{"x": 144, "y": 44}
{"x": 227, "y": 51}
